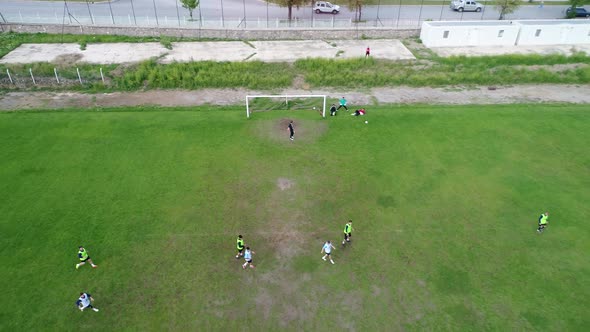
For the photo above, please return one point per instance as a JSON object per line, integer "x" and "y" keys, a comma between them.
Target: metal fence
{"x": 252, "y": 15}
{"x": 216, "y": 23}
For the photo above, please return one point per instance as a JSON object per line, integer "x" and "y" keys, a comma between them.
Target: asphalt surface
{"x": 213, "y": 10}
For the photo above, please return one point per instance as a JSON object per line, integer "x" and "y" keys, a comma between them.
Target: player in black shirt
{"x": 291, "y": 131}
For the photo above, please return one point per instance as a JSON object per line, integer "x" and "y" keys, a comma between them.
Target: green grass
{"x": 205, "y": 74}
{"x": 444, "y": 200}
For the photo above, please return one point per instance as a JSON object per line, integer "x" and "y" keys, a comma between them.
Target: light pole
{"x": 222, "y": 19}
{"x": 244, "y": 13}
{"x": 155, "y": 12}
{"x": 133, "y": 11}
{"x": 177, "y": 12}
{"x": 89, "y": 12}
{"x": 420, "y": 15}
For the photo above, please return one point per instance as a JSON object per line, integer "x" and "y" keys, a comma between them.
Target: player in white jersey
{"x": 248, "y": 258}
{"x": 327, "y": 248}
{"x": 85, "y": 301}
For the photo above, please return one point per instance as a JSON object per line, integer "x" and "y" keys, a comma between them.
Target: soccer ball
{"x": 366, "y": 121}
{"x": 314, "y": 108}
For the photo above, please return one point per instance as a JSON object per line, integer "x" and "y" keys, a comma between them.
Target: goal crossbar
{"x": 286, "y": 97}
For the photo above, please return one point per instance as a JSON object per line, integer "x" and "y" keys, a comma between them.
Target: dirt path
{"x": 404, "y": 95}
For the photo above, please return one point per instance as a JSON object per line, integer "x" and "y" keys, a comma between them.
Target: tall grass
{"x": 206, "y": 74}
{"x": 458, "y": 70}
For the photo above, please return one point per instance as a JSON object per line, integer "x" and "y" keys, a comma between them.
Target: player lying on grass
{"x": 359, "y": 112}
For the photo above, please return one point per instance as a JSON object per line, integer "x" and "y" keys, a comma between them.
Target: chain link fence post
{"x": 111, "y": 11}
{"x": 89, "y": 12}
{"x": 177, "y": 12}
{"x": 156, "y": 13}
{"x": 133, "y": 11}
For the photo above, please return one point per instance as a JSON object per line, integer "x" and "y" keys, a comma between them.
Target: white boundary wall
{"x": 554, "y": 32}
{"x": 505, "y": 33}
{"x": 468, "y": 33}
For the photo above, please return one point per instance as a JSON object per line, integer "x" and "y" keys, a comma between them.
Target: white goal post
{"x": 287, "y": 102}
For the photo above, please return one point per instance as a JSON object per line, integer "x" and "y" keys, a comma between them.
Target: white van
{"x": 326, "y": 7}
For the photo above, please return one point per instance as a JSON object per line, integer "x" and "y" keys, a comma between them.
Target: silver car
{"x": 326, "y": 7}
{"x": 466, "y": 5}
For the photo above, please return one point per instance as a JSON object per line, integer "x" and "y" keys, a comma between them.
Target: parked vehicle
{"x": 577, "y": 12}
{"x": 326, "y": 7}
{"x": 466, "y": 5}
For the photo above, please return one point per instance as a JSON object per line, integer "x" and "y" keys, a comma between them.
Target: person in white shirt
{"x": 327, "y": 248}
{"x": 84, "y": 301}
{"x": 248, "y": 258}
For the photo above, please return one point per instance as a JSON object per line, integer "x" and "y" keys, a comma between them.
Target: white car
{"x": 326, "y": 7}
{"x": 466, "y": 5}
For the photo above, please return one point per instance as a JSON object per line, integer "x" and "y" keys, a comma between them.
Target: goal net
{"x": 263, "y": 103}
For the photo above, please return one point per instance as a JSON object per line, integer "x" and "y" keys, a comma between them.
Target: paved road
{"x": 212, "y": 10}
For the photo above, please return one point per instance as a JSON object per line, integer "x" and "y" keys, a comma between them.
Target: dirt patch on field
{"x": 64, "y": 60}
{"x": 306, "y": 131}
{"x": 284, "y": 183}
{"x": 554, "y": 68}
{"x": 283, "y": 294}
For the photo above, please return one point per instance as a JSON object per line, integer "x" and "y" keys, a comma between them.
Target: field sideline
{"x": 444, "y": 200}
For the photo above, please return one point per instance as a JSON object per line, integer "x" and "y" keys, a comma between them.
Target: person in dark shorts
{"x": 333, "y": 110}
{"x": 85, "y": 301}
{"x": 342, "y": 104}
{"x": 248, "y": 258}
{"x": 291, "y": 130}
{"x": 84, "y": 257}
{"x": 240, "y": 246}
{"x": 327, "y": 248}
{"x": 543, "y": 220}
{"x": 347, "y": 232}
{"x": 367, "y": 52}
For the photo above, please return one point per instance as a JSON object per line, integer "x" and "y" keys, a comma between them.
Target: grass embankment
{"x": 427, "y": 70}
{"x": 444, "y": 201}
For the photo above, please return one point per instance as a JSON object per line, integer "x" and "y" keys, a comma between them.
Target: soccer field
{"x": 444, "y": 202}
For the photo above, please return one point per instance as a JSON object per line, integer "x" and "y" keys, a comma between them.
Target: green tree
{"x": 357, "y": 6}
{"x": 507, "y": 7}
{"x": 290, "y": 4}
{"x": 574, "y": 4}
{"x": 190, "y": 5}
